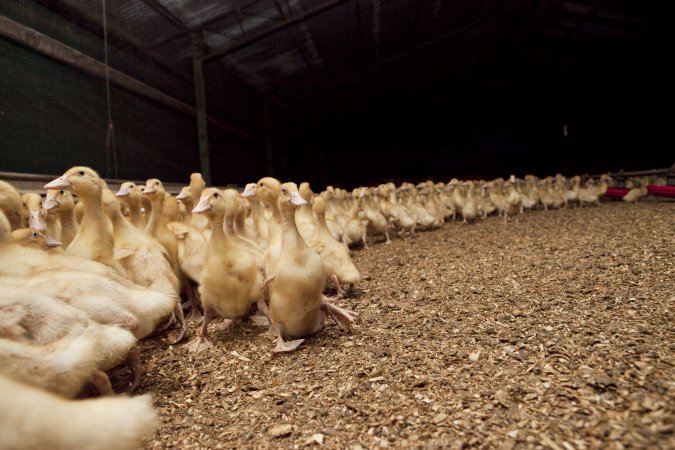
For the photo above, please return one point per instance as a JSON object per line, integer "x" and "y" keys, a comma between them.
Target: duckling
{"x": 184, "y": 198}
{"x": 11, "y": 204}
{"x": 267, "y": 190}
{"x": 297, "y": 306}
{"x": 171, "y": 209}
{"x": 35, "y": 419}
{"x": 589, "y": 194}
{"x": 398, "y": 215}
{"x": 186, "y": 250}
{"x": 196, "y": 186}
{"x": 130, "y": 193}
{"x": 335, "y": 254}
{"x": 62, "y": 367}
{"x": 62, "y": 203}
{"x": 514, "y": 205}
{"x": 231, "y": 282}
{"x": 469, "y": 210}
{"x": 34, "y": 212}
{"x": 39, "y": 320}
{"x": 260, "y": 224}
{"x": 28, "y": 237}
{"x": 144, "y": 260}
{"x": 95, "y": 288}
{"x": 378, "y": 224}
{"x": 355, "y": 229}
{"x": 304, "y": 217}
{"x": 636, "y": 193}
{"x": 94, "y": 238}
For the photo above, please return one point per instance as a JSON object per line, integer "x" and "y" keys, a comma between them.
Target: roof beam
{"x": 290, "y": 21}
{"x": 166, "y": 13}
{"x": 202, "y": 25}
{"x": 67, "y": 55}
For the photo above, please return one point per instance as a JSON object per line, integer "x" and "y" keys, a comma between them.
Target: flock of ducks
{"x": 83, "y": 281}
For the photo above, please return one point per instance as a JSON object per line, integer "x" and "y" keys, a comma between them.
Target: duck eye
{"x": 284, "y": 190}
{"x": 215, "y": 195}
{"x": 61, "y": 192}
{"x": 33, "y": 235}
{"x": 81, "y": 173}
{"x": 156, "y": 183}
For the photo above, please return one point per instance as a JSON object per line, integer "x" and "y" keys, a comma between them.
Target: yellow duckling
{"x": 297, "y": 306}
{"x": 11, "y": 204}
{"x": 335, "y": 254}
{"x": 231, "y": 282}
{"x": 62, "y": 203}
{"x": 28, "y": 237}
{"x": 94, "y": 238}
{"x": 131, "y": 194}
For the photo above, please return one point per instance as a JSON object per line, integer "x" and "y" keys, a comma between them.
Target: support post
{"x": 200, "y": 103}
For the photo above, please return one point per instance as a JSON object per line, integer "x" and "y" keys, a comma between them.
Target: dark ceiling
{"x": 363, "y": 90}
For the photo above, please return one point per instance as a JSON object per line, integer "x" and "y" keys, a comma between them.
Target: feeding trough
{"x": 661, "y": 191}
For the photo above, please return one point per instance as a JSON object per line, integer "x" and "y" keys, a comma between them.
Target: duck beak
{"x": 50, "y": 203}
{"x": 249, "y": 192}
{"x": 123, "y": 192}
{"x": 182, "y": 195}
{"x": 36, "y": 222}
{"x": 149, "y": 190}
{"x": 51, "y": 243}
{"x": 59, "y": 183}
{"x": 297, "y": 199}
{"x": 202, "y": 206}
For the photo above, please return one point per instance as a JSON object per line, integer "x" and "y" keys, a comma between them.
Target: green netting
{"x": 53, "y": 116}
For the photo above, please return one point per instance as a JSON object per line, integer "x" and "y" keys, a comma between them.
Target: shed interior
{"x": 341, "y": 92}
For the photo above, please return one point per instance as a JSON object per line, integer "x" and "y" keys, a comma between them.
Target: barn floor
{"x": 553, "y": 332}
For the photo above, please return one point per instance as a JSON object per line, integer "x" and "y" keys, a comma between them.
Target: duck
{"x": 28, "y": 237}
{"x": 130, "y": 193}
{"x": 469, "y": 209}
{"x": 185, "y": 247}
{"x": 512, "y": 200}
{"x": 100, "y": 291}
{"x": 94, "y": 238}
{"x": 335, "y": 254}
{"x": 144, "y": 260}
{"x": 34, "y": 213}
{"x": 37, "y": 419}
{"x": 399, "y": 216}
{"x": 63, "y": 367}
{"x": 304, "y": 217}
{"x": 11, "y": 204}
{"x": 267, "y": 190}
{"x": 297, "y": 306}
{"x": 195, "y": 188}
{"x": 355, "y": 229}
{"x": 231, "y": 282}
{"x": 378, "y": 224}
{"x": 260, "y": 224}
{"x": 636, "y": 193}
{"x": 61, "y": 203}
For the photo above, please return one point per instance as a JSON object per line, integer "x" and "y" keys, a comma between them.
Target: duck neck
{"x": 218, "y": 236}
{"x": 156, "y": 215}
{"x": 92, "y": 215}
{"x": 135, "y": 215}
{"x": 290, "y": 235}
{"x": 68, "y": 223}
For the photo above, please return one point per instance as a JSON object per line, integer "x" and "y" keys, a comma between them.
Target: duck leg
{"x": 336, "y": 282}
{"x": 264, "y": 319}
{"x": 201, "y": 342}
{"x": 178, "y": 313}
{"x": 344, "y": 318}
{"x": 284, "y": 347}
{"x": 193, "y": 298}
{"x": 386, "y": 234}
{"x": 101, "y": 383}
{"x": 134, "y": 363}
